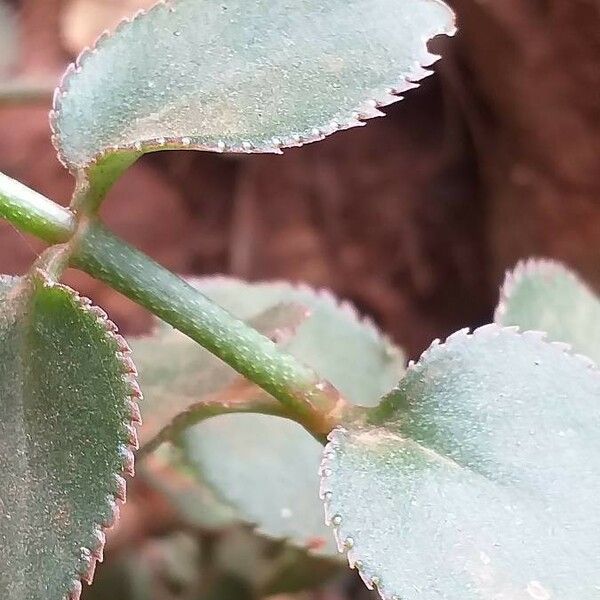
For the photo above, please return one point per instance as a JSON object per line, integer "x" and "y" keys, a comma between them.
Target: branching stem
{"x": 312, "y": 401}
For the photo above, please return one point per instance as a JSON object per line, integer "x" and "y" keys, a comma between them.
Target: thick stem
{"x": 314, "y": 403}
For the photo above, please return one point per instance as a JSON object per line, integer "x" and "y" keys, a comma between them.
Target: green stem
{"x": 33, "y": 213}
{"x": 95, "y": 250}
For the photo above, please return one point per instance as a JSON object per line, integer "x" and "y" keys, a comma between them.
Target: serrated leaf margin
{"x": 367, "y": 110}
{"x": 344, "y": 539}
{"x": 529, "y": 268}
{"x": 95, "y": 554}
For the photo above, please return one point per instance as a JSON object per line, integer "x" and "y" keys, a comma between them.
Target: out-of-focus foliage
{"x": 8, "y": 38}
{"x": 542, "y": 295}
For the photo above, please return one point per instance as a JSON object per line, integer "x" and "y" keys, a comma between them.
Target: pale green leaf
{"x": 265, "y": 466}
{"x": 478, "y": 477}
{"x": 242, "y": 75}
{"x": 66, "y": 412}
{"x": 545, "y": 296}
{"x": 194, "y": 502}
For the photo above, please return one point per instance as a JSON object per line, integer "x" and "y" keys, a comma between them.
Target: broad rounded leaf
{"x": 545, "y": 296}
{"x": 242, "y": 75}
{"x": 66, "y": 411}
{"x": 478, "y": 477}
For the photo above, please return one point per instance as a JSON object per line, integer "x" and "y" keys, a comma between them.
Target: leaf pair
{"x": 221, "y": 75}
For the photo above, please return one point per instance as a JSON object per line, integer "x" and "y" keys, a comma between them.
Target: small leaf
{"x": 477, "y": 478}
{"x": 66, "y": 412}
{"x": 265, "y": 466}
{"x": 545, "y": 296}
{"x": 241, "y": 75}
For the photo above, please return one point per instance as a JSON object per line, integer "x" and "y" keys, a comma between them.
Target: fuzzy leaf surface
{"x": 242, "y": 75}
{"x": 543, "y": 295}
{"x": 65, "y": 436}
{"x": 477, "y": 478}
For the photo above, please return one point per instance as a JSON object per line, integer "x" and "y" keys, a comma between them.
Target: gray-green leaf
{"x": 66, "y": 412}
{"x": 242, "y": 75}
{"x": 478, "y": 477}
{"x": 545, "y": 296}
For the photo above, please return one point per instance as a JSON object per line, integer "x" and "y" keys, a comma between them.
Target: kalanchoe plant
{"x": 470, "y": 474}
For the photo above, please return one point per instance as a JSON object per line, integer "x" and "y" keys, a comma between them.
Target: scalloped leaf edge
{"x": 344, "y": 541}
{"x": 95, "y": 554}
{"x": 368, "y": 110}
{"x": 529, "y": 267}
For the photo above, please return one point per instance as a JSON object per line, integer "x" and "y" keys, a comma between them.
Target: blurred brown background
{"x": 414, "y": 217}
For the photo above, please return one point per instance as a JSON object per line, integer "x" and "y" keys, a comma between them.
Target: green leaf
{"x": 241, "y": 75}
{"x": 265, "y": 466}
{"x": 545, "y": 296}
{"x": 66, "y": 411}
{"x": 478, "y": 477}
